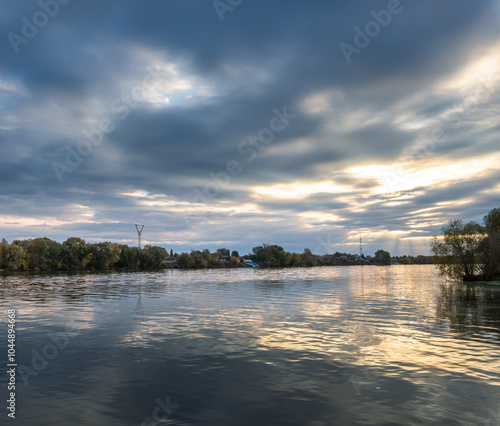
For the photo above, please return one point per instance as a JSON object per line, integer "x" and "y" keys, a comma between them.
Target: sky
{"x": 232, "y": 123}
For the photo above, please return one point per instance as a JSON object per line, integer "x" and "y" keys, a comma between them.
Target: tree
{"x": 405, "y": 260}
{"x": 102, "y": 256}
{"x": 491, "y": 245}
{"x": 155, "y": 256}
{"x": 171, "y": 253}
{"x": 16, "y": 258}
{"x": 223, "y": 252}
{"x": 295, "y": 259}
{"x": 382, "y": 257}
{"x": 270, "y": 256}
{"x": 307, "y": 258}
{"x": 55, "y": 255}
{"x": 185, "y": 261}
{"x": 200, "y": 259}
{"x": 39, "y": 253}
{"x": 214, "y": 259}
{"x": 4, "y": 246}
{"x": 130, "y": 257}
{"x": 235, "y": 254}
{"x": 421, "y": 260}
{"x": 492, "y": 221}
{"x": 116, "y": 249}
{"x": 457, "y": 252}
{"x": 75, "y": 254}
{"x": 45, "y": 254}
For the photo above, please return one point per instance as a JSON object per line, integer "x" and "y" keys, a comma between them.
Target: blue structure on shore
{"x": 252, "y": 264}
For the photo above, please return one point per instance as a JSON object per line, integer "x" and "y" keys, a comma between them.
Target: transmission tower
{"x": 139, "y": 229}
{"x": 360, "y": 247}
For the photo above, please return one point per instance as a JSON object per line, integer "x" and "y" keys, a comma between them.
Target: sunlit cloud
{"x": 479, "y": 76}
{"x": 430, "y": 174}
{"x": 357, "y": 157}
{"x": 298, "y": 190}
{"x": 71, "y": 213}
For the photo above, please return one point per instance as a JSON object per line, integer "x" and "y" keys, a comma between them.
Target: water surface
{"x": 307, "y": 346}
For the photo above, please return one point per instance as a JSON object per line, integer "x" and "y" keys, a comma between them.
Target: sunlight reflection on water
{"x": 306, "y": 346}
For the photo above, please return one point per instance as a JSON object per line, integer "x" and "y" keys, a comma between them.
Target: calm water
{"x": 319, "y": 346}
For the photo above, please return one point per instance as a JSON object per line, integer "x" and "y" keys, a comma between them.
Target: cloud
{"x": 183, "y": 90}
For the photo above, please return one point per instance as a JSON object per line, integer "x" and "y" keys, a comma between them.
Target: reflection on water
{"x": 473, "y": 310}
{"x": 313, "y": 346}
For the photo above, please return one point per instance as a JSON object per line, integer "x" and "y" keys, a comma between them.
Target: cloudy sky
{"x": 234, "y": 123}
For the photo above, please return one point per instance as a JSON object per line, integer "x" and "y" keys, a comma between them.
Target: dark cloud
{"x": 217, "y": 84}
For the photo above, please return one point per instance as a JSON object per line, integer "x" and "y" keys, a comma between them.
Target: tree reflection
{"x": 472, "y": 310}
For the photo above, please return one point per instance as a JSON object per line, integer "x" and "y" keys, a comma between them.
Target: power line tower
{"x": 139, "y": 229}
{"x": 361, "y": 247}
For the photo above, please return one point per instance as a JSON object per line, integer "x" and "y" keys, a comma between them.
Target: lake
{"x": 359, "y": 345}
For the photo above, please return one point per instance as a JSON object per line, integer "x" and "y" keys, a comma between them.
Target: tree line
{"x": 469, "y": 251}
{"x": 275, "y": 256}
{"x": 74, "y": 254}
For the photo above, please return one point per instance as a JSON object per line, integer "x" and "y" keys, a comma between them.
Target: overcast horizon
{"x": 234, "y": 123}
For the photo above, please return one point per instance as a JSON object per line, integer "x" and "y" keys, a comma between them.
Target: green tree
{"x": 130, "y": 258}
{"x": 214, "y": 260}
{"x": 4, "y": 246}
{"x": 55, "y": 255}
{"x": 47, "y": 253}
{"x": 101, "y": 256}
{"x": 307, "y": 258}
{"x": 16, "y": 258}
{"x": 155, "y": 257}
{"x": 116, "y": 249}
{"x": 456, "y": 254}
{"x": 75, "y": 254}
{"x": 271, "y": 256}
{"x": 235, "y": 254}
{"x": 382, "y": 257}
{"x": 200, "y": 259}
{"x": 295, "y": 259}
{"x": 39, "y": 254}
{"x": 185, "y": 261}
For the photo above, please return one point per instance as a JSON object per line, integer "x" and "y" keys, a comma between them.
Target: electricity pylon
{"x": 139, "y": 229}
